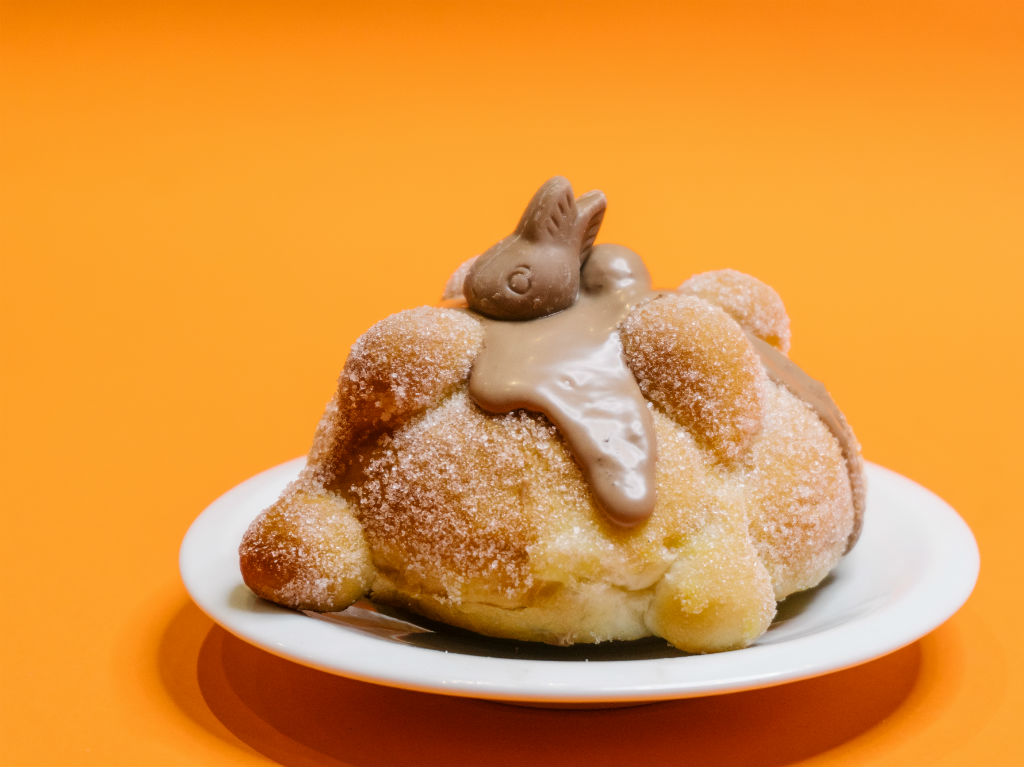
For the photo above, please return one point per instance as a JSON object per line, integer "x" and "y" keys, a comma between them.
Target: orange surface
{"x": 203, "y": 205}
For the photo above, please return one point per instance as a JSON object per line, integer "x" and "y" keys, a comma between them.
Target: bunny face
{"x": 521, "y": 279}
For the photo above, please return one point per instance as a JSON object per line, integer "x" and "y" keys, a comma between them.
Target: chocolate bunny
{"x": 535, "y": 271}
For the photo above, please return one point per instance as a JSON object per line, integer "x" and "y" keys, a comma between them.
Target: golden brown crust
{"x": 401, "y": 366}
{"x": 799, "y": 494}
{"x": 693, "y": 360}
{"x": 414, "y": 495}
{"x": 307, "y": 551}
{"x": 445, "y": 502}
{"x": 717, "y": 595}
{"x": 753, "y": 304}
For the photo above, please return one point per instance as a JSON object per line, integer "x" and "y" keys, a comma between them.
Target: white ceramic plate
{"x": 915, "y": 565}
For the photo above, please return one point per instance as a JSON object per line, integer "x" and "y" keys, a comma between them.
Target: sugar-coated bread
{"x": 415, "y": 496}
{"x": 563, "y": 454}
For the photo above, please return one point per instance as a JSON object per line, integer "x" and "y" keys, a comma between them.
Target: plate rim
{"x": 291, "y": 635}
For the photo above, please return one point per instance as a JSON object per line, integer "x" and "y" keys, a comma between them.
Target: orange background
{"x": 203, "y": 205}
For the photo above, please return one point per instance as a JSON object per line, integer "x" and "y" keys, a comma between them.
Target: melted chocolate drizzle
{"x": 569, "y": 366}
{"x": 552, "y": 346}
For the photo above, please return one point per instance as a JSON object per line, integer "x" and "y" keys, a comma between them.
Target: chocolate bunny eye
{"x": 520, "y": 279}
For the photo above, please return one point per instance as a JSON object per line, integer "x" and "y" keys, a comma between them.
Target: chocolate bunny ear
{"x": 551, "y": 214}
{"x": 590, "y": 207}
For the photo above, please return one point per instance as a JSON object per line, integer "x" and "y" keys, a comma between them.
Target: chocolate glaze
{"x": 551, "y": 345}
{"x": 569, "y": 366}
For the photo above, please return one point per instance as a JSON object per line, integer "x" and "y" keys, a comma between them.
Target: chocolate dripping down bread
{"x": 560, "y": 453}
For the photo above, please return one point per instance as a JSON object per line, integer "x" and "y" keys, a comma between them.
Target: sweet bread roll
{"x": 563, "y": 454}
